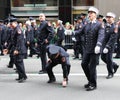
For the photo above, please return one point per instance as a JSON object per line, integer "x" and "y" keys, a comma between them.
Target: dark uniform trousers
{"x": 11, "y": 62}
{"x": 94, "y": 34}
{"x": 65, "y": 67}
{"x": 107, "y": 58}
{"x": 43, "y": 56}
{"x": 20, "y": 66}
{"x": 44, "y": 32}
{"x": 77, "y": 49}
{"x": 109, "y": 41}
{"x": 89, "y": 63}
{"x": 17, "y": 43}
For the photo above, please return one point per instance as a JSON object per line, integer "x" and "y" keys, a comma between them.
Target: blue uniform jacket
{"x": 17, "y": 41}
{"x": 45, "y": 32}
{"x": 93, "y": 35}
{"x": 110, "y": 37}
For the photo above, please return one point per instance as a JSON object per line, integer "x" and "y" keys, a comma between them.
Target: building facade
{"x": 65, "y": 10}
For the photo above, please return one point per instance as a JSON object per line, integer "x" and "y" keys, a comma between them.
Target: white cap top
{"x": 93, "y": 9}
{"x": 60, "y": 21}
{"x": 28, "y": 22}
{"x": 111, "y": 14}
{"x": 33, "y": 21}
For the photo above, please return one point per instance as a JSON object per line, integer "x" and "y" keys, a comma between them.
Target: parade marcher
{"x": 45, "y": 34}
{"x": 108, "y": 44}
{"x": 29, "y": 38}
{"x": 3, "y": 36}
{"x": 57, "y": 55}
{"x": 84, "y": 18}
{"x": 60, "y": 33}
{"x": 100, "y": 18}
{"x": 78, "y": 44}
{"x": 17, "y": 48}
{"x": 7, "y": 42}
{"x": 35, "y": 27}
{"x": 94, "y": 35}
{"x": 55, "y": 38}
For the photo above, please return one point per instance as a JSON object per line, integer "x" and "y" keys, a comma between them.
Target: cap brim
{"x": 92, "y": 11}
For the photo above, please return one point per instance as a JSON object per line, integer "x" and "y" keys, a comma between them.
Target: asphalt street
{"x": 37, "y": 88}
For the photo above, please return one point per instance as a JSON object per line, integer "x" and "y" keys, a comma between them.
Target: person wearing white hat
{"x": 60, "y": 33}
{"x": 93, "y": 9}
{"x": 29, "y": 34}
{"x": 111, "y": 14}
{"x": 108, "y": 44}
{"x": 94, "y": 35}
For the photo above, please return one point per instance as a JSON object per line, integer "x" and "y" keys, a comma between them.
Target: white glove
{"x": 73, "y": 38}
{"x": 105, "y": 50}
{"x": 97, "y": 49}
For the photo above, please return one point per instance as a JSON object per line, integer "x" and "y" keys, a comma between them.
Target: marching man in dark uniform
{"x": 18, "y": 49}
{"x": 3, "y": 36}
{"x": 60, "y": 33}
{"x": 45, "y": 34}
{"x": 108, "y": 45}
{"x": 57, "y": 55}
{"x": 8, "y": 41}
{"x": 29, "y": 38}
{"x": 77, "y": 43}
{"x": 94, "y": 35}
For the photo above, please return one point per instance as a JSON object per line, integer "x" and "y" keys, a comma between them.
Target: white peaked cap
{"x": 111, "y": 14}
{"x": 60, "y": 21}
{"x": 28, "y": 22}
{"x": 33, "y": 21}
{"x": 94, "y": 10}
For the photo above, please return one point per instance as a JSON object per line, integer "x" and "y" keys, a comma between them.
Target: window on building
{"x": 83, "y": 2}
{"x": 25, "y": 3}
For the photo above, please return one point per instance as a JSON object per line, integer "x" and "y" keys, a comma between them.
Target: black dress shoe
{"x": 91, "y": 88}
{"x": 30, "y": 55}
{"x": 17, "y": 79}
{"x": 42, "y": 71}
{"x": 52, "y": 80}
{"x": 21, "y": 80}
{"x": 116, "y": 57}
{"x": 9, "y": 66}
{"x": 86, "y": 85}
{"x": 76, "y": 58}
{"x": 115, "y": 68}
{"x": 25, "y": 77}
{"x": 109, "y": 76}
